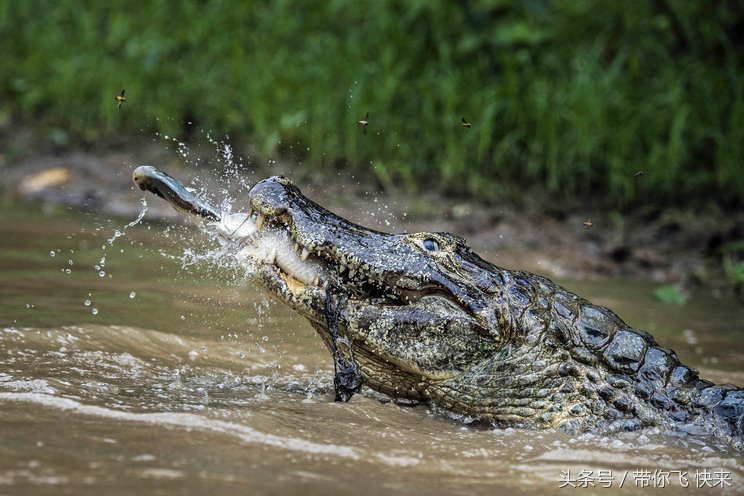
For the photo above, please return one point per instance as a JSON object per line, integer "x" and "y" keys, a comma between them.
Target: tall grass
{"x": 566, "y": 97}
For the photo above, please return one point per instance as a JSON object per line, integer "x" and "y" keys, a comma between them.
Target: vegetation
{"x": 733, "y": 263}
{"x": 670, "y": 294}
{"x": 570, "y": 97}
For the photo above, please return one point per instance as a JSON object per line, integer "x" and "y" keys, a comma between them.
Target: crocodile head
{"x": 422, "y": 317}
{"x": 410, "y": 308}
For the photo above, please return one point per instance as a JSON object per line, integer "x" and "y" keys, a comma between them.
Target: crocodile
{"x": 422, "y": 318}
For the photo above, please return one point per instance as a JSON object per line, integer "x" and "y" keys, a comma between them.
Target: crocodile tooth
{"x": 260, "y": 221}
{"x": 316, "y": 281}
{"x": 297, "y": 247}
{"x": 341, "y": 269}
{"x": 305, "y": 254}
{"x": 250, "y": 212}
{"x": 272, "y": 256}
{"x": 352, "y": 273}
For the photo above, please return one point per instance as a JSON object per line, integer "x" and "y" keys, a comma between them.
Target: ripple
{"x": 187, "y": 421}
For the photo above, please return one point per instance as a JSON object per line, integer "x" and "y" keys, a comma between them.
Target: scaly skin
{"x": 422, "y": 317}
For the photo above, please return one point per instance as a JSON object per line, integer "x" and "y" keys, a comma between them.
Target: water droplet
{"x": 204, "y": 349}
{"x": 94, "y": 311}
{"x": 69, "y": 262}
{"x": 86, "y": 303}
{"x": 101, "y": 273}
{"x": 132, "y": 295}
{"x": 67, "y": 271}
{"x": 183, "y": 317}
{"x": 51, "y": 253}
{"x": 241, "y": 354}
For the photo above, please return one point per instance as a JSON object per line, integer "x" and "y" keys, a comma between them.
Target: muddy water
{"x": 122, "y": 371}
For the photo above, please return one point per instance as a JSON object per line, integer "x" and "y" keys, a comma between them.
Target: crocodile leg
{"x": 347, "y": 379}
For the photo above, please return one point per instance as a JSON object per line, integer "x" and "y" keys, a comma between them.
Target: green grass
{"x": 733, "y": 262}
{"x": 568, "y": 97}
{"x": 670, "y": 294}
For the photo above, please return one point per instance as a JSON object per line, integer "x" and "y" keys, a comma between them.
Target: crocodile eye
{"x": 430, "y": 244}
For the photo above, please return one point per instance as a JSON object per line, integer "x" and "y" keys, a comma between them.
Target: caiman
{"x": 422, "y": 318}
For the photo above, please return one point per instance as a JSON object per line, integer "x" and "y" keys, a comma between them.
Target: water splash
{"x": 119, "y": 233}
{"x": 143, "y": 202}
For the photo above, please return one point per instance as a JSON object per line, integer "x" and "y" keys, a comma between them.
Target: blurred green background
{"x": 567, "y": 97}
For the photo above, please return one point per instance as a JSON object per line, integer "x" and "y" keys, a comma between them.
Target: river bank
{"x": 678, "y": 246}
